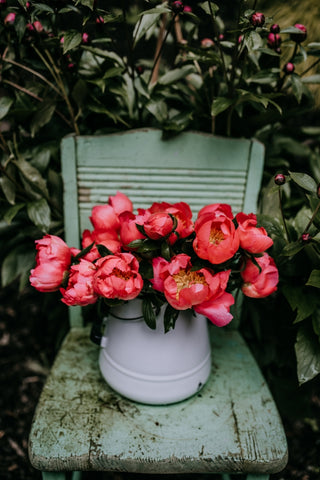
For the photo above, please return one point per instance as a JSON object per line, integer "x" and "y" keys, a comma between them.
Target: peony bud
{"x": 187, "y": 9}
{"x": 274, "y": 40}
{"x": 275, "y": 28}
{"x": 139, "y": 69}
{"x": 289, "y": 68}
{"x": 306, "y": 237}
{"x": 3, "y": 2}
{"x": 207, "y": 43}
{"x": 177, "y": 6}
{"x": 257, "y": 19}
{"x": 85, "y": 37}
{"x": 279, "y": 179}
{"x": 38, "y": 26}
{"x": 299, "y": 37}
{"x": 99, "y": 20}
{"x": 10, "y": 18}
{"x": 221, "y": 37}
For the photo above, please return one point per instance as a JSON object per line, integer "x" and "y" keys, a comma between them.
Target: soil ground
{"x": 26, "y": 354}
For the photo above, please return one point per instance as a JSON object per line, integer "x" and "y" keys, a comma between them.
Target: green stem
{"x": 33, "y": 72}
{"x": 312, "y": 218}
{"x": 224, "y": 68}
{"x": 282, "y": 216}
{"x": 310, "y": 68}
{"x": 162, "y": 45}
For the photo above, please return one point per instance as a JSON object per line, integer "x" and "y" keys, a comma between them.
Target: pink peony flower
{"x": 100, "y": 237}
{"x": 216, "y": 237}
{"x": 48, "y": 276}
{"x": 80, "y": 285}
{"x": 53, "y": 260}
{"x": 52, "y": 248}
{"x": 182, "y": 212}
{"x": 118, "y": 277}
{"x": 260, "y": 283}
{"x": 128, "y": 227}
{"x": 252, "y": 238}
{"x": 200, "y": 289}
{"x": 120, "y": 203}
{"x": 103, "y": 217}
{"x": 158, "y": 225}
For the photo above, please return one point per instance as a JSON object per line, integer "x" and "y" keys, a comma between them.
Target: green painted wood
{"x": 231, "y": 426}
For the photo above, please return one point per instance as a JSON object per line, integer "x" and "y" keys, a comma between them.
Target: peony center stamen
{"x": 121, "y": 274}
{"x": 184, "y": 279}
{"x": 216, "y": 236}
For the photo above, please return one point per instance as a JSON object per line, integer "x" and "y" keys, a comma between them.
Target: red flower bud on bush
{"x": 306, "y": 237}
{"x": 139, "y": 69}
{"x": 299, "y": 37}
{"x": 85, "y": 37}
{"x": 207, "y": 43}
{"x": 3, "y": 2}
{"x": 221, "y": 37}
{"x": 99, "y": 20}
{"x": 257, "y": 19}
{"x": 187, "y": 9}
{"x": 289, "y": 68}
{"x": 275, "y": 28}
{"x": 177, "y": 6}
{"x": 10, "y": 19}
{"x": 274, "y": 40}
{"x": 280, "y": 179}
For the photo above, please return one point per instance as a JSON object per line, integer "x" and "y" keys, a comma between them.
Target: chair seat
{"x": 232, "y": 425}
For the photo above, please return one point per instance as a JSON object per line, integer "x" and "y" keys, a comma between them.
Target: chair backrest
{"x": 193, "y": 167}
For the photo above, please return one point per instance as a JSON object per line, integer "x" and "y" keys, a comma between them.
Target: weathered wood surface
{"x": 231, "y": 426}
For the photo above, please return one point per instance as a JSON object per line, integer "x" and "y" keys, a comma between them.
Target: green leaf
{"x": 207, "y": 9}
{"x": 87, "y": 3}
{"x": 12, "y": 212}
{"x": 147, "y": 20}
{"x": 297, "y": 86}
{"x": 42, "y": 7}
{"x": 176, "y": 74}
{"x": 32, "y": 176}
{"x": 170, "y": 317}
{"x": 304, "y": 181}
{"x": 149, "y": 313}
{"x": 72, "y": 39}
{"x": 314, "y": 279}
{"x": 8, "y": 187}
{"x": 18, "y": 262}
{"x": 271, "y": 224}
{"x": 219, "y": 105}
{"x": 307, "y": 348}
{"x": 253, "y": 40}
{"x": 39, "y": 213}
{"x": 290, "y": 30}
{"x": 300, "y": 300}
{"x": 103, "y": 250}
{"x": 43, "y": 116}
{"x": 79, "y": 92}
{"x": 5, "y": 104}
{"x": 292, "y": 248}
{"x": 311, "y": 79}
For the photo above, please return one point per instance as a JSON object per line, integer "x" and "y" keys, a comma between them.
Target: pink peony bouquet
{"x": 161, "y": 256}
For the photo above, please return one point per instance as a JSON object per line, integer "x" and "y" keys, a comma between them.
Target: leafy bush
{"x": 91, "y": 67}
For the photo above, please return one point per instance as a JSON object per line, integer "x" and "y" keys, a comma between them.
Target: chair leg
{"x": 61, "y": 475}
{"x": 54, "y": 476}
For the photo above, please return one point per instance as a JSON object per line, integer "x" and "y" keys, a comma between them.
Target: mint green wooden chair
{"x": 80, "y": 424}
